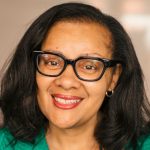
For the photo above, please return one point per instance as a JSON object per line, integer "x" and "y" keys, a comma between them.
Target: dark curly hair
{"x": 125, "y": 116}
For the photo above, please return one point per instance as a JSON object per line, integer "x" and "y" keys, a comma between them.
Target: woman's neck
{"x": 75, "y": 138}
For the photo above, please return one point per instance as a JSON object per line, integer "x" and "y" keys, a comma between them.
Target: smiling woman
{"x": 74, "y": 70}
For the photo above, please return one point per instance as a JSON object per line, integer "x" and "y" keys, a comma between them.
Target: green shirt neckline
{"x": 41, "y": 143}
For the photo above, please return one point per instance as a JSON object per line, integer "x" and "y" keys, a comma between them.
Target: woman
{"x": 75, "y": 83}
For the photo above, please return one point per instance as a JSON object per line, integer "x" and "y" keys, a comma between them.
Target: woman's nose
{"x": 68, "y": 79}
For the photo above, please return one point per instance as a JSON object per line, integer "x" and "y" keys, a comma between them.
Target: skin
{"x": 74, "y": 39}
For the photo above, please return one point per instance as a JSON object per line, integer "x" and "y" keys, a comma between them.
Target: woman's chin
{"x": 64, "y": 124}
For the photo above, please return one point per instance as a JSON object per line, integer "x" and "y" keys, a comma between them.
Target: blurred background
{"x": 17, "y": 15}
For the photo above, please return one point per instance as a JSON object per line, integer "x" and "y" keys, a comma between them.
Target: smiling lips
{"x": 66, "y": 102}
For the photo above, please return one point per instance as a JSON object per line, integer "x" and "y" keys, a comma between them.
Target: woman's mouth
{"x": 65, "y": 101}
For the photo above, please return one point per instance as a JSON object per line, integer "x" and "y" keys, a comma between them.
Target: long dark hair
{"x": 125, "y": 116}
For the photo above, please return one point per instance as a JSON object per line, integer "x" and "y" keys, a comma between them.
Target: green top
{"x": 40, "y": 144}
{"x": 6, "y": 138}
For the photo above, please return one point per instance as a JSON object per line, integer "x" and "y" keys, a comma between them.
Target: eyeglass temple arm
{"x": 112, "y": 63}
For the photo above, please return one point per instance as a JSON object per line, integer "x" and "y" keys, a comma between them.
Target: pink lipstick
{"x": 66, "y": 101}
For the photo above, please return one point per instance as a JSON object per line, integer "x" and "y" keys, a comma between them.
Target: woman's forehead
{"x": 85, "y": 37}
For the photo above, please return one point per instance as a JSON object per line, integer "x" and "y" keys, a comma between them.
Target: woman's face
{"x": 67, "y": 101}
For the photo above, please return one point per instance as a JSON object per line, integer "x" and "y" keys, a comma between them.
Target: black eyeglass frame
{"x": 107, "y": 64}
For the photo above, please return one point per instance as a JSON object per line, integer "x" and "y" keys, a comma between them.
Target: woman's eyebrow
{"x": 94, "y": 54}
{"x": 51, "y": 50}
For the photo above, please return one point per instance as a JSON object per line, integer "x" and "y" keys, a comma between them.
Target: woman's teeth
{"x": 63, "y": 101}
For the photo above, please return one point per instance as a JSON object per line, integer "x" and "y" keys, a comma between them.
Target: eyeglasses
{"x": 86, "y": 68}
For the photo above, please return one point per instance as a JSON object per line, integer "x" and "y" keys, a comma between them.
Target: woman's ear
{"x": 115, "y": 77}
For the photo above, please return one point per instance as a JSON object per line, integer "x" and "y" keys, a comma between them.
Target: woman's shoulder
{"x": 8, "y": 142}
{"x": 144, "y": 142}
{"x": 5, "y": 135}
{"x": 5, "y": 138}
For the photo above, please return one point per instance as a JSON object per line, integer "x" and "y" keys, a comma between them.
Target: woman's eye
{"x": 90, "y": 67}
{"x": 52, "y": 63}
